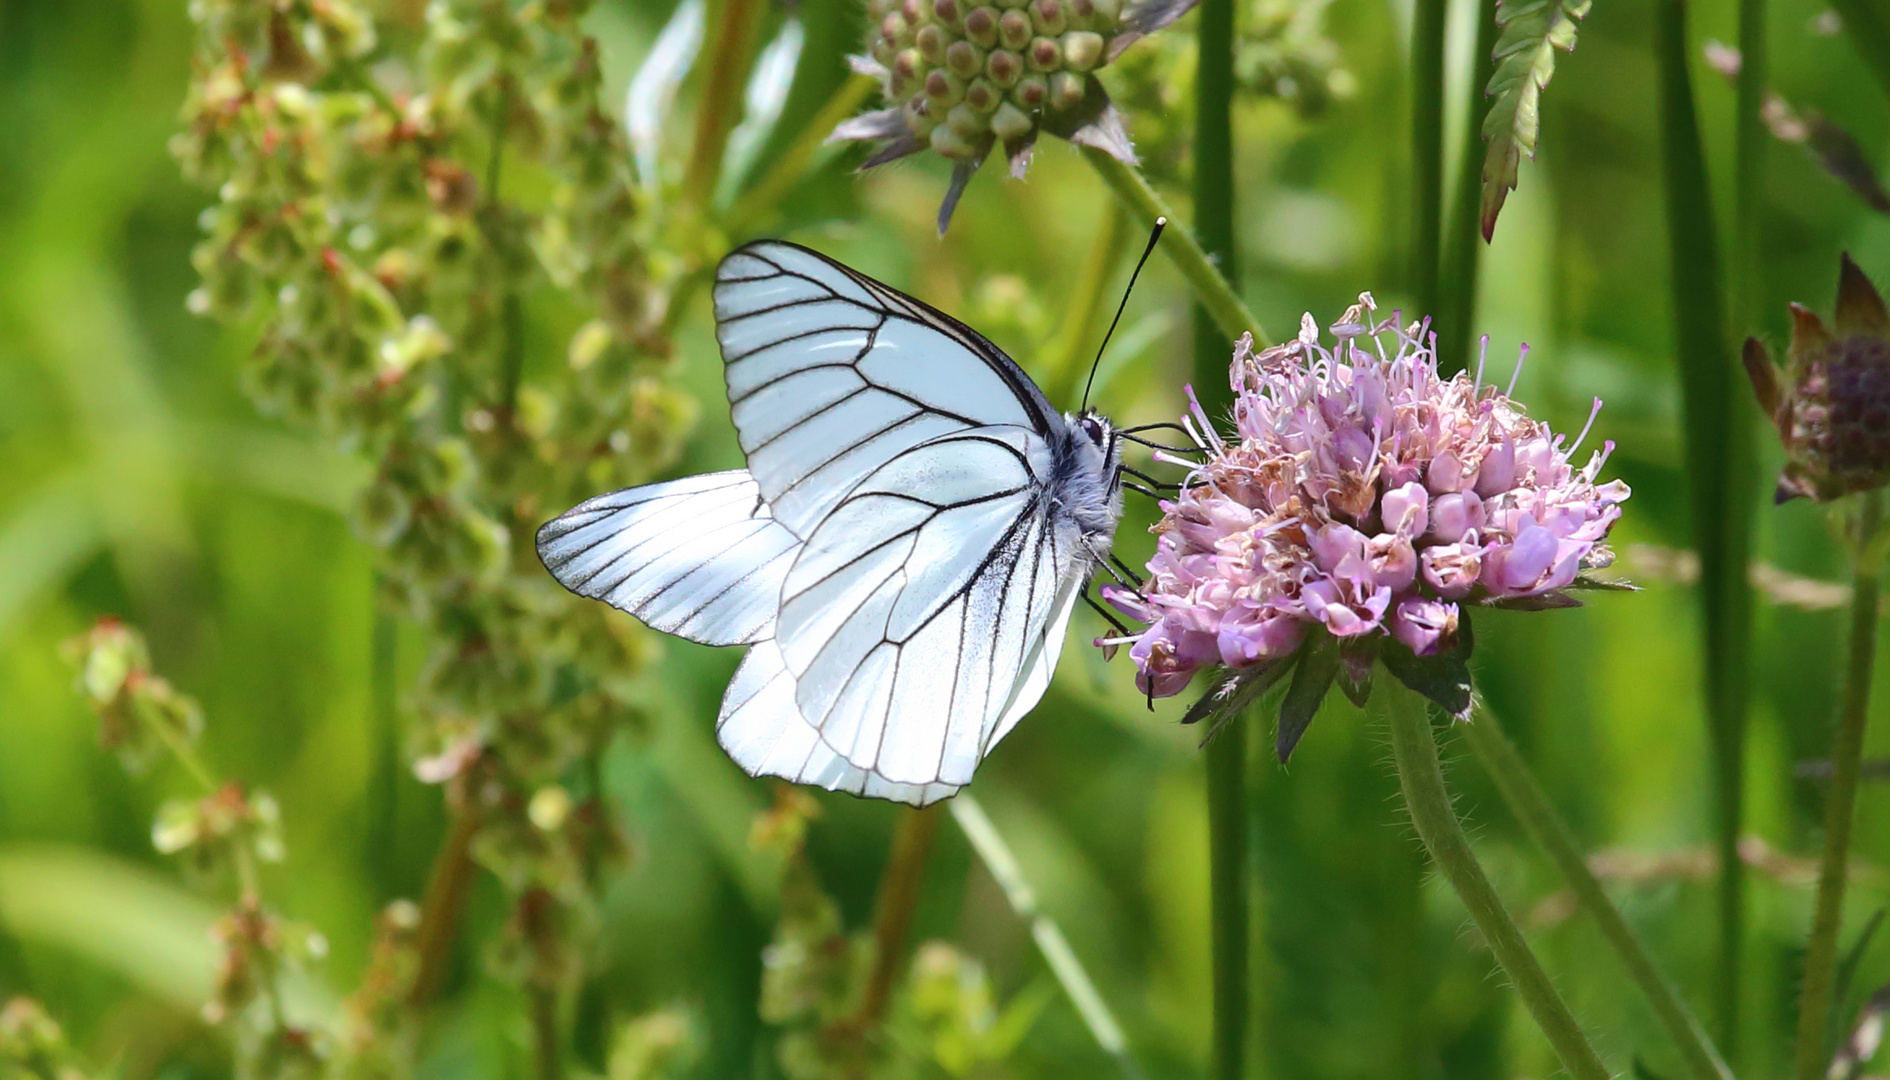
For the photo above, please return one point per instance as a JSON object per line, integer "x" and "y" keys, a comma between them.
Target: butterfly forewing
{"x": 831, "y": 375}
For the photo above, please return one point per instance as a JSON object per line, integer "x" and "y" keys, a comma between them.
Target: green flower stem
{"x": 1226, "y": 757}
{"x": 729, "y": 53}
{"x": 1212, "y": 290}
{"x": 1456, "y": 311}
{"x": 1530, "y": 804}
{"x": 1427, "y": 151}
{"x": 1865, "y": 25}
{"x": 1227, "y": 889}
{"x": 1081, "y": 989}
{"x": 1421, "y": 778}
{"x": 1720, "y": 470}
{"x": 1814, "y": 1004}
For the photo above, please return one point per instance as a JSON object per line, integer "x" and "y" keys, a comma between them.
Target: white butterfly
{"x": 902, "y": 553}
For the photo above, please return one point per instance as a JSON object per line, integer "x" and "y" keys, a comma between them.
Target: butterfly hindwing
{"x": 699, "y": 557}
{"x": 925, "y": 598}
{"x": 760, "y": 727}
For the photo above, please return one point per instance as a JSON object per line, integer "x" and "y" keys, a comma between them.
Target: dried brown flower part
{"x": 1831, "y": 402}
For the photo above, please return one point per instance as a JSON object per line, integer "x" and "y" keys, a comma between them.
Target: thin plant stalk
{"x": 1814, "y": 1004}
{"x": 1456, "y": 310}
{"x": 1523, "y": 794}
{"x": 1070, "y": 974}
{"x": 384, "y": 786}
{"x": 1212, "y": 289}
{"x": 898, "y": 896}
{"x": 1227, "y": 889}
{"x": 730, "y": 53}
{"x": 547, "y": 1058}
{"x": 1421, "y": 778}
{"x": 1719, "y": 460}
{"x": 444, "y": 902}
{"x": 1427, "y": 151}
{"x": 1226, "y": 757}
{"x": 1750, "y": 139}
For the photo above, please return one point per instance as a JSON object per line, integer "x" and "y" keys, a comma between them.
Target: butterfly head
{"x": 1095, "y": 447}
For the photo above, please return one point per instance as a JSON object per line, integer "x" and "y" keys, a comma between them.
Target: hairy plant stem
{"x": 1523, "y": 794}
{"x": 899, "y": 893}
{"x": 1077, "y": 985}
{"x": 1456, "y": 310}
{"x": 444, "y": 902}
{"x": 1212, "y": 290}
{"x": 1865, "y": 25}
{"x": 1427, "y": 151}
{"x": 1814, "y": 1004}
{"x": 1719, "y": 460}
{"x": 730, "y": 53}
{"x": 1421, "y": 778}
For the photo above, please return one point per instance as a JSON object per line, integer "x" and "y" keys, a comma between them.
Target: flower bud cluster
{"x": 966, "y": 72}
{"x": 140, "y": 715}
{"x": 222, "y": 835}
{"x": 1361, "y": 496}
{"x": 961, "y": 77}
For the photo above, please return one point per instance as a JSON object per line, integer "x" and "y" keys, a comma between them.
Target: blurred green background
{"x": 137, "y": 480}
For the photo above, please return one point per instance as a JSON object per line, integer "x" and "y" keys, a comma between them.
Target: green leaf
{"x": 1317, "y": 669}
{"x": 118, "y": 915}
{"x": 1595, "y": 584}
{"x": 1525, "y": 62}
{"x": 1234, "y": 691}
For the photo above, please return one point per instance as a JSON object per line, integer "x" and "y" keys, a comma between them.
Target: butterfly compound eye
{"x": 1092, "y": 428}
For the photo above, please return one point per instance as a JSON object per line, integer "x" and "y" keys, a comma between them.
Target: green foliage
{"x": 319, "y": 500}
{"x": 1530, "y": 32}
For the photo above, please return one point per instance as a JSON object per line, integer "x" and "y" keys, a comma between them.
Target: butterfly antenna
{"x": 1153, "y": 235}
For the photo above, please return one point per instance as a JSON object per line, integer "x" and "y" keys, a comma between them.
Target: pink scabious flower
{"x": 1361, "y": 503}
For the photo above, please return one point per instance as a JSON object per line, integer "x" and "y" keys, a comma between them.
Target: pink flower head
{"x": 1362, "y": 493}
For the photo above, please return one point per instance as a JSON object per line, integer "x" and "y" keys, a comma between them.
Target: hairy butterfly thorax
{"x": 1087, "y": 478}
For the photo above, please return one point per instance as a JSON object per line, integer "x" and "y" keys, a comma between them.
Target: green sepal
{"x": 1444, "y": 677}
{"x": 1318, "y": 666}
